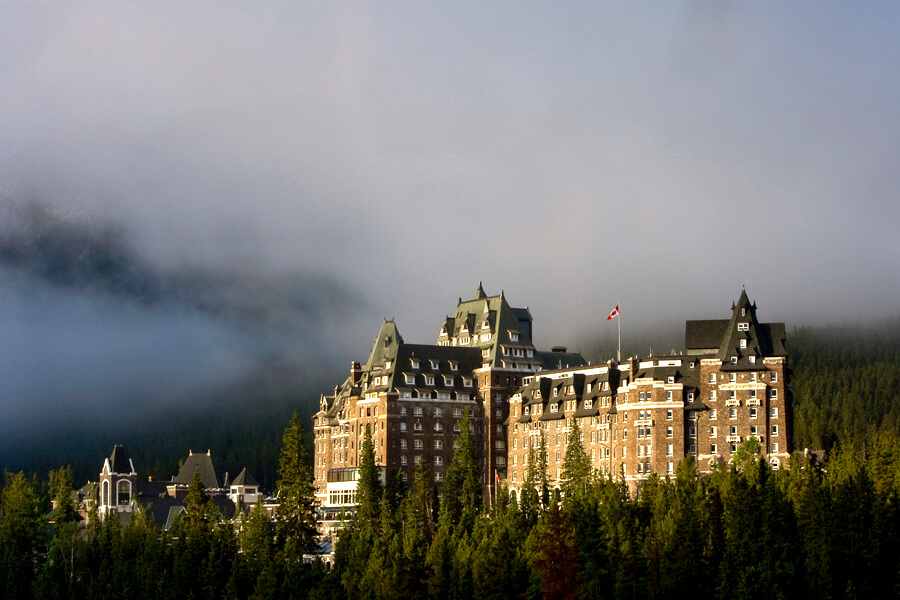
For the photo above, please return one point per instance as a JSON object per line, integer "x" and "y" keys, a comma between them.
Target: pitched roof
{"x": 244, "y": 478}
{"x": 119, "y": 462}
{"x": 203, "y": 464}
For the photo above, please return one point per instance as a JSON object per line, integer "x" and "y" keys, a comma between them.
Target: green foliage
{"x": 462, "y": 485}
{"x": 296, "y": 514}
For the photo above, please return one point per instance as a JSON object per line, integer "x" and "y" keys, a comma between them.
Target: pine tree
{"x": 296, "y": 513}
{"x": 462, "y": 484}
{"x": 20, "y": 536}
{"x": 61, "y": 492}
{"x": 368, "y": 486}
{"x": 576, "y": 466}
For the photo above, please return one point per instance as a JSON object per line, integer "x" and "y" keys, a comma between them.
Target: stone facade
{"x": 636, "y": 417}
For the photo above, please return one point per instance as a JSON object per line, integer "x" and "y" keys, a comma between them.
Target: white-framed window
{"x": 402, "y": 411}
{"x": 692, "y": 449}
{"x": 417, "y": 426}
{"x": 417, "y": 411}
{"x": 743, "y": 343}
{"x": 448, "y": 380}
{"x": 467, "y": 381}
{"x": 734, "y": 360}
{"x": 415, "y": 363}
{"x": 403, "y": 460}
{"x": 668, "y": 394}
{"x": 668, "y": 432}
{"x": 773, "y": 376}
{"x": 439, "y": 476}
{"x": 403, "y": 444}
{"x": 669, "y": 415}
{"x": 712, "y": 431}
{"x": 774, "y": 447}
{"x": 732, "y": 377}
{"x": 773, "y": 393}
{"x": 774, "y": 412}
{"x": 712, "y": 413}
{"x": 443, "y": 395}
{"x": 733, "y": 430}
{"x": 753, "y": 378}
{"x": 712, "y": 449}
{"x": 712, "y": 394}
{"x": 438, "y": 427}
{"x": 774, "y": 430}
{"x": 743, "y": 326}
{"x": 429, "y": 380}
{"x": 670, "y": 449}
{"x": 438, "y": 461}
{"x": 753, "y": 413}
{"x": 418, "y": 444}
{"x": 753, "y": 430}
{"x": 403, "y": 426}
{"x": 732, "y": 413}
{"x": 712, "y": 377}
{"x": 692, "y": 432}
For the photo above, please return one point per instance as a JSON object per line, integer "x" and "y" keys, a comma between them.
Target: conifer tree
{"x": 368, "y": 486}
{"x": 20, "y": 536}
{"x": 576, "y": 466}
{"x": 462, "y": 484}
{"x": 296, "y": 512}
{"x": 61, "y": 492}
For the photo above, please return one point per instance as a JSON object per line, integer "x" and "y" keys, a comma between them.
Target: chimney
{"x": 355, "y": 373}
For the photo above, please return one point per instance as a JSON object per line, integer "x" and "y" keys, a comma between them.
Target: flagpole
{"x": 619, "y": 351}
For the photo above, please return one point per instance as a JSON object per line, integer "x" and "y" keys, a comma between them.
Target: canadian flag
{"x": 614, "y": 313}
{"x": 496, "y": 476}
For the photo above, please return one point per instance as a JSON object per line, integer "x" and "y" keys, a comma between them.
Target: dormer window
{"x": 414, "y": 362}
{"x": 465, "y": 328}
{"x": 429, "y": 380}
{"x": 448, "y": 380}
{"x": 410, "y": 379}
{"x": 485, "y": 325}
{"x": 454, "y": 366}
{"x": 752, "y": 360}
{"x": 554, "y": 407}
{"x": 467, "y": 381}
{"x": 743, "y": 326}
{"x": 743, "y": 312}
{"x": 513, "y": 336}
{"x": 734, "y": 360}
{"x": 743, "y": 343}
{"x": 434, "y": 364}
{"x": 670, "y": 379}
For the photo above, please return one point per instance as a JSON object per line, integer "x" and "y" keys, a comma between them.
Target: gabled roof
{"x": 203, "y": 464}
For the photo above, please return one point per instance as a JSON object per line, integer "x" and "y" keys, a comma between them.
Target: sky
{"x": 274, "y": 178}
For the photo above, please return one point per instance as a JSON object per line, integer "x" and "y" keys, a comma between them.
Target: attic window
{"x": 743, "y": 326}
{"x": 485, "y": 325}
{"x": 414, "y": 362}
{"x": 434, "y": 364}
{"x": 670, "y": 379}
{"x": 743, "y": 343}
{"x": 388, "y": 364}
{"x": 513, "y": 336}
{"x": 734, "y": 360}
{"x": 743, "y": 312}
{"x": 454, "y": 366}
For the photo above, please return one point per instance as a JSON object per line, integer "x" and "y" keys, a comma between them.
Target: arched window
{"x": 104, "y": 496}
{"x": 124, "y": 491}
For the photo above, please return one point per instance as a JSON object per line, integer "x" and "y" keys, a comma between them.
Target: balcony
{"x": 754, "y": 402}
{"x": 643, "y": 423}
{"x": 732, "y": 402}
{"x": 736, "y": 439}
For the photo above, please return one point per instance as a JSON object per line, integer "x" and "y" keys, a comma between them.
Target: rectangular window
{"x": 693, "y": 449}
{"x": 670, "y": 450}
{"x": 774, "y": 446}
{"x": 774, "y": 430}
{"x": 668, "y": 395}
{"x": 692, "y": 432}
{"x": 743, "y": 343}
{"x": 712, "y": 413}
{"x": 668, "y": 432}
{"x": 712, "y": 394}
{"x": 712, "y": 377}
{"x": 773, "y": 393}
{"x": 773, "y": 376}
{"x": 753, "y": 413}
{"x": 732, "y": 413}
{"x": 669, "y": 415}
{"x": 774, "y": 412}
{"x": 712, "y": 431}
{"x": 712, "y": 448}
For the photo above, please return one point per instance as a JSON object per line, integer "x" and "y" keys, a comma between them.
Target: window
{"x": 438, "y": 427}
{"x": 418, "y": 444}
{"x": 712, "y": 431}
{"x": 753, "y": 413}
{"x": 403, "y": 444}
{"x": 732, "y": 413}
{"x": 733, "y": 430}
{"x": 668, "y": 395}
{"x": 712, "y": 413}
{"x": 403, "y": 460}
{"x": 753, "y": 430}
{"x": 668, "y": 432}
{"x": 774, "y": 430}
{"x": 403, "y": 426}
{"x": 434, "y": 365}
{"x": 670, "y": 450}
{"x": 753, "y": 379}
{"x": 712, "y": 449}
{"x": 744, "y": 326}
{"x": 415, "y": 363}
{"x": 669, "y": 415}
{"x": 448, "y": 380}
{"x": 712, "y": 394}
{"x": 743, "y": 343}
{"x": 670, "y": 467}
{"x": 774, "y": 412}
{"x": 712, "y": 377}
{"x": 438, "y": 461}
{"x": 773, "y": 376}
{"x": 774, "y": 446}
{"x": 648, "y": 396}
{"x": 438, "y": 444}
{"x": 417, "y": 411}
{"x": 693, "y": 449}
{"x": 773, "y": 393}
{"x": 429, "y": 380}
{"x": 692, "y": 432}
{"x": 732, "y": 377}
{"x": 734, "y": 360}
